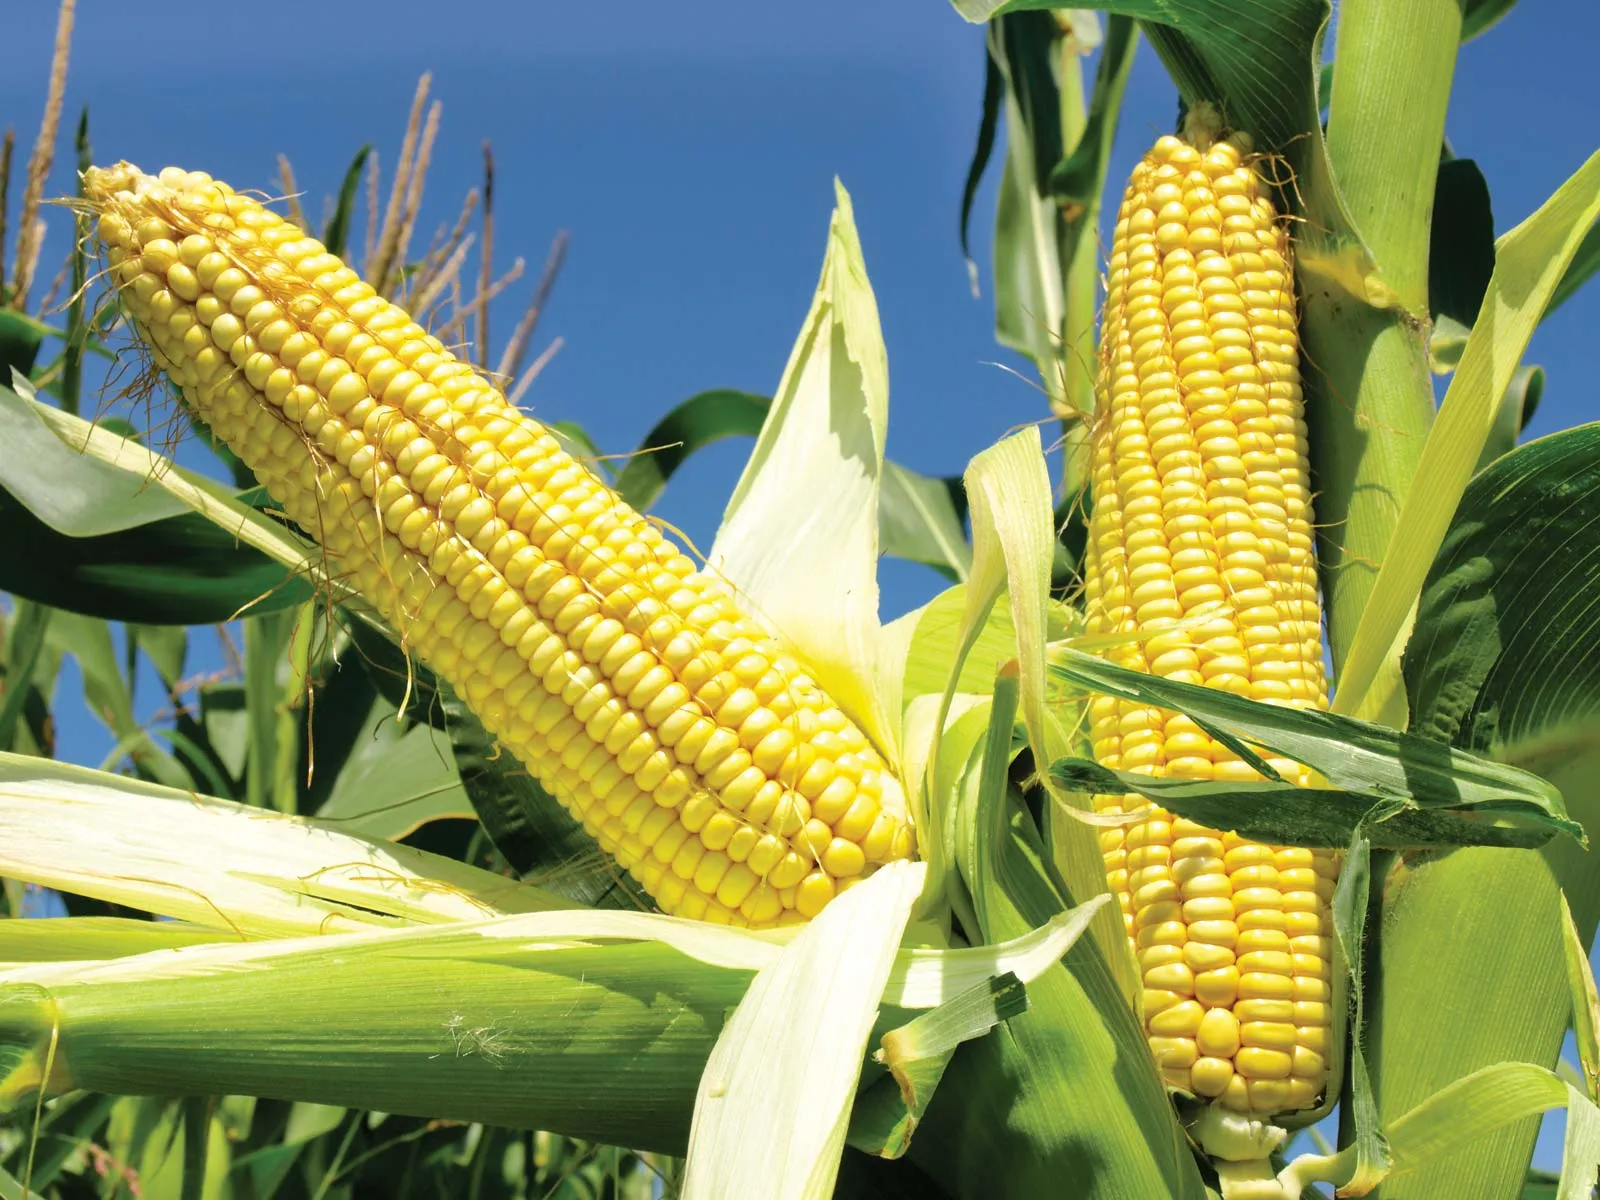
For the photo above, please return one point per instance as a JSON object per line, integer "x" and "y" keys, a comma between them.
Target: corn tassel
{"x": 1201, "y": 524}
{"x": 681, "y": 732}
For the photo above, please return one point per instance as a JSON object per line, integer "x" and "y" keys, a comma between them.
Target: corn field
{"x": 1216, "y": 825}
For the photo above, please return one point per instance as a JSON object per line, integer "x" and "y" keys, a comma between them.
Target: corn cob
{"x": 687, "y": 739}
{"x": 1201, "y": 524}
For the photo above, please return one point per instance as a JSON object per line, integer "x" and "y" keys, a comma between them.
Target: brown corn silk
{"x": 684, "y": 735}
{"x": 1201, "y": 525}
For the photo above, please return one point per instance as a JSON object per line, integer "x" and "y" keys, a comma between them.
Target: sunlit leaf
{"x": 1529, "y": 261}
{"x": 773, "y": 1105}
{"x": 811, "y": 569}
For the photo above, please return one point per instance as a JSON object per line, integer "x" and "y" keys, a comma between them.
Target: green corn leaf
{"x": 1032, "y": 243}
{"x": 1585, "y": 1001}
{"x": 1284, "y": 814}
{"x": 1584, "y": 264}
{"x": 1529, "y": 261}
{"x": 98, "y": 497}
{"x": 397, "y": 777}
{"x": 530, "y": 828}
{"x": 1460, "y": 254}
{"x": 20, "y": 338}
{"x": 337, "y": 230}
{"x": 698, "y": 422}
{"x": 26, "y": 636}
{"x": 106, "y": 695}
{"x": 920, "y": 520}
{"x": 988, "y": 125}
{"x": 178, "y": 570}
{"x": 136, "y": 486}
{"x": 1500, "y": 665}
{"x": 1478, "y": 16}
{"x": 1408, "y": 770}
{"x": 1257, "y": 56}
{"x": 1516, "y": 410}
{"x": 1500, "y": 662}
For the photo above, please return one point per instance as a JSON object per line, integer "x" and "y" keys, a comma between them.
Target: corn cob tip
{"x": 682, "y": 733}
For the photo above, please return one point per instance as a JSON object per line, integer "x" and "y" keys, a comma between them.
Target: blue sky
{"x": 690, "y": 150}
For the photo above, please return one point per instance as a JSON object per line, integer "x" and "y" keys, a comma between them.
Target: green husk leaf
{"x": 1470, "y": 1109}
{"x": 72, "y": 939}
{"x": 1434, "y": 1021}
{"x": 1351, "y": 900}
{"x": 934, "y": 634}
{"x": 1012, "y": 529}
{"x": 888, "y": 1110}
{"x": 1067, "y": 1090}
{"x": 476, "y": 1024}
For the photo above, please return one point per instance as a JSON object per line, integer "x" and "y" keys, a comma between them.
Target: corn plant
{"x": 529, "y": 856}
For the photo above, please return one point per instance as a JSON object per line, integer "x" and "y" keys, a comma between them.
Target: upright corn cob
{"x": 690, "y": 743}
{"x": 1202, "y": 523}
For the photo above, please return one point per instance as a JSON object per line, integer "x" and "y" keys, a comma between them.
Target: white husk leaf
{"x": 226, "y": 866}
{"x": 799, "y": 539}
{"x": 774, "y": 1101}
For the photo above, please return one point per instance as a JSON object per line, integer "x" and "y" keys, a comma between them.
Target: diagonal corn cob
{"x": 690, "y": 743}
{"x": 1202, "y": 498}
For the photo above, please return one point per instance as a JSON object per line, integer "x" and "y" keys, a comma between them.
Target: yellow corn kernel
{"x": 628, "y": 683}
{"x": 1200, "y": 534}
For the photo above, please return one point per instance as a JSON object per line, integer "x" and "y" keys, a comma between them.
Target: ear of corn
{"x": 1202, "y": 525}
{"x": 687, "y": 739}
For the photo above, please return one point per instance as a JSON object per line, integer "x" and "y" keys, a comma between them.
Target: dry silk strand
{"x": 688, "y": 740}
{"x": 1202, "y": 524}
